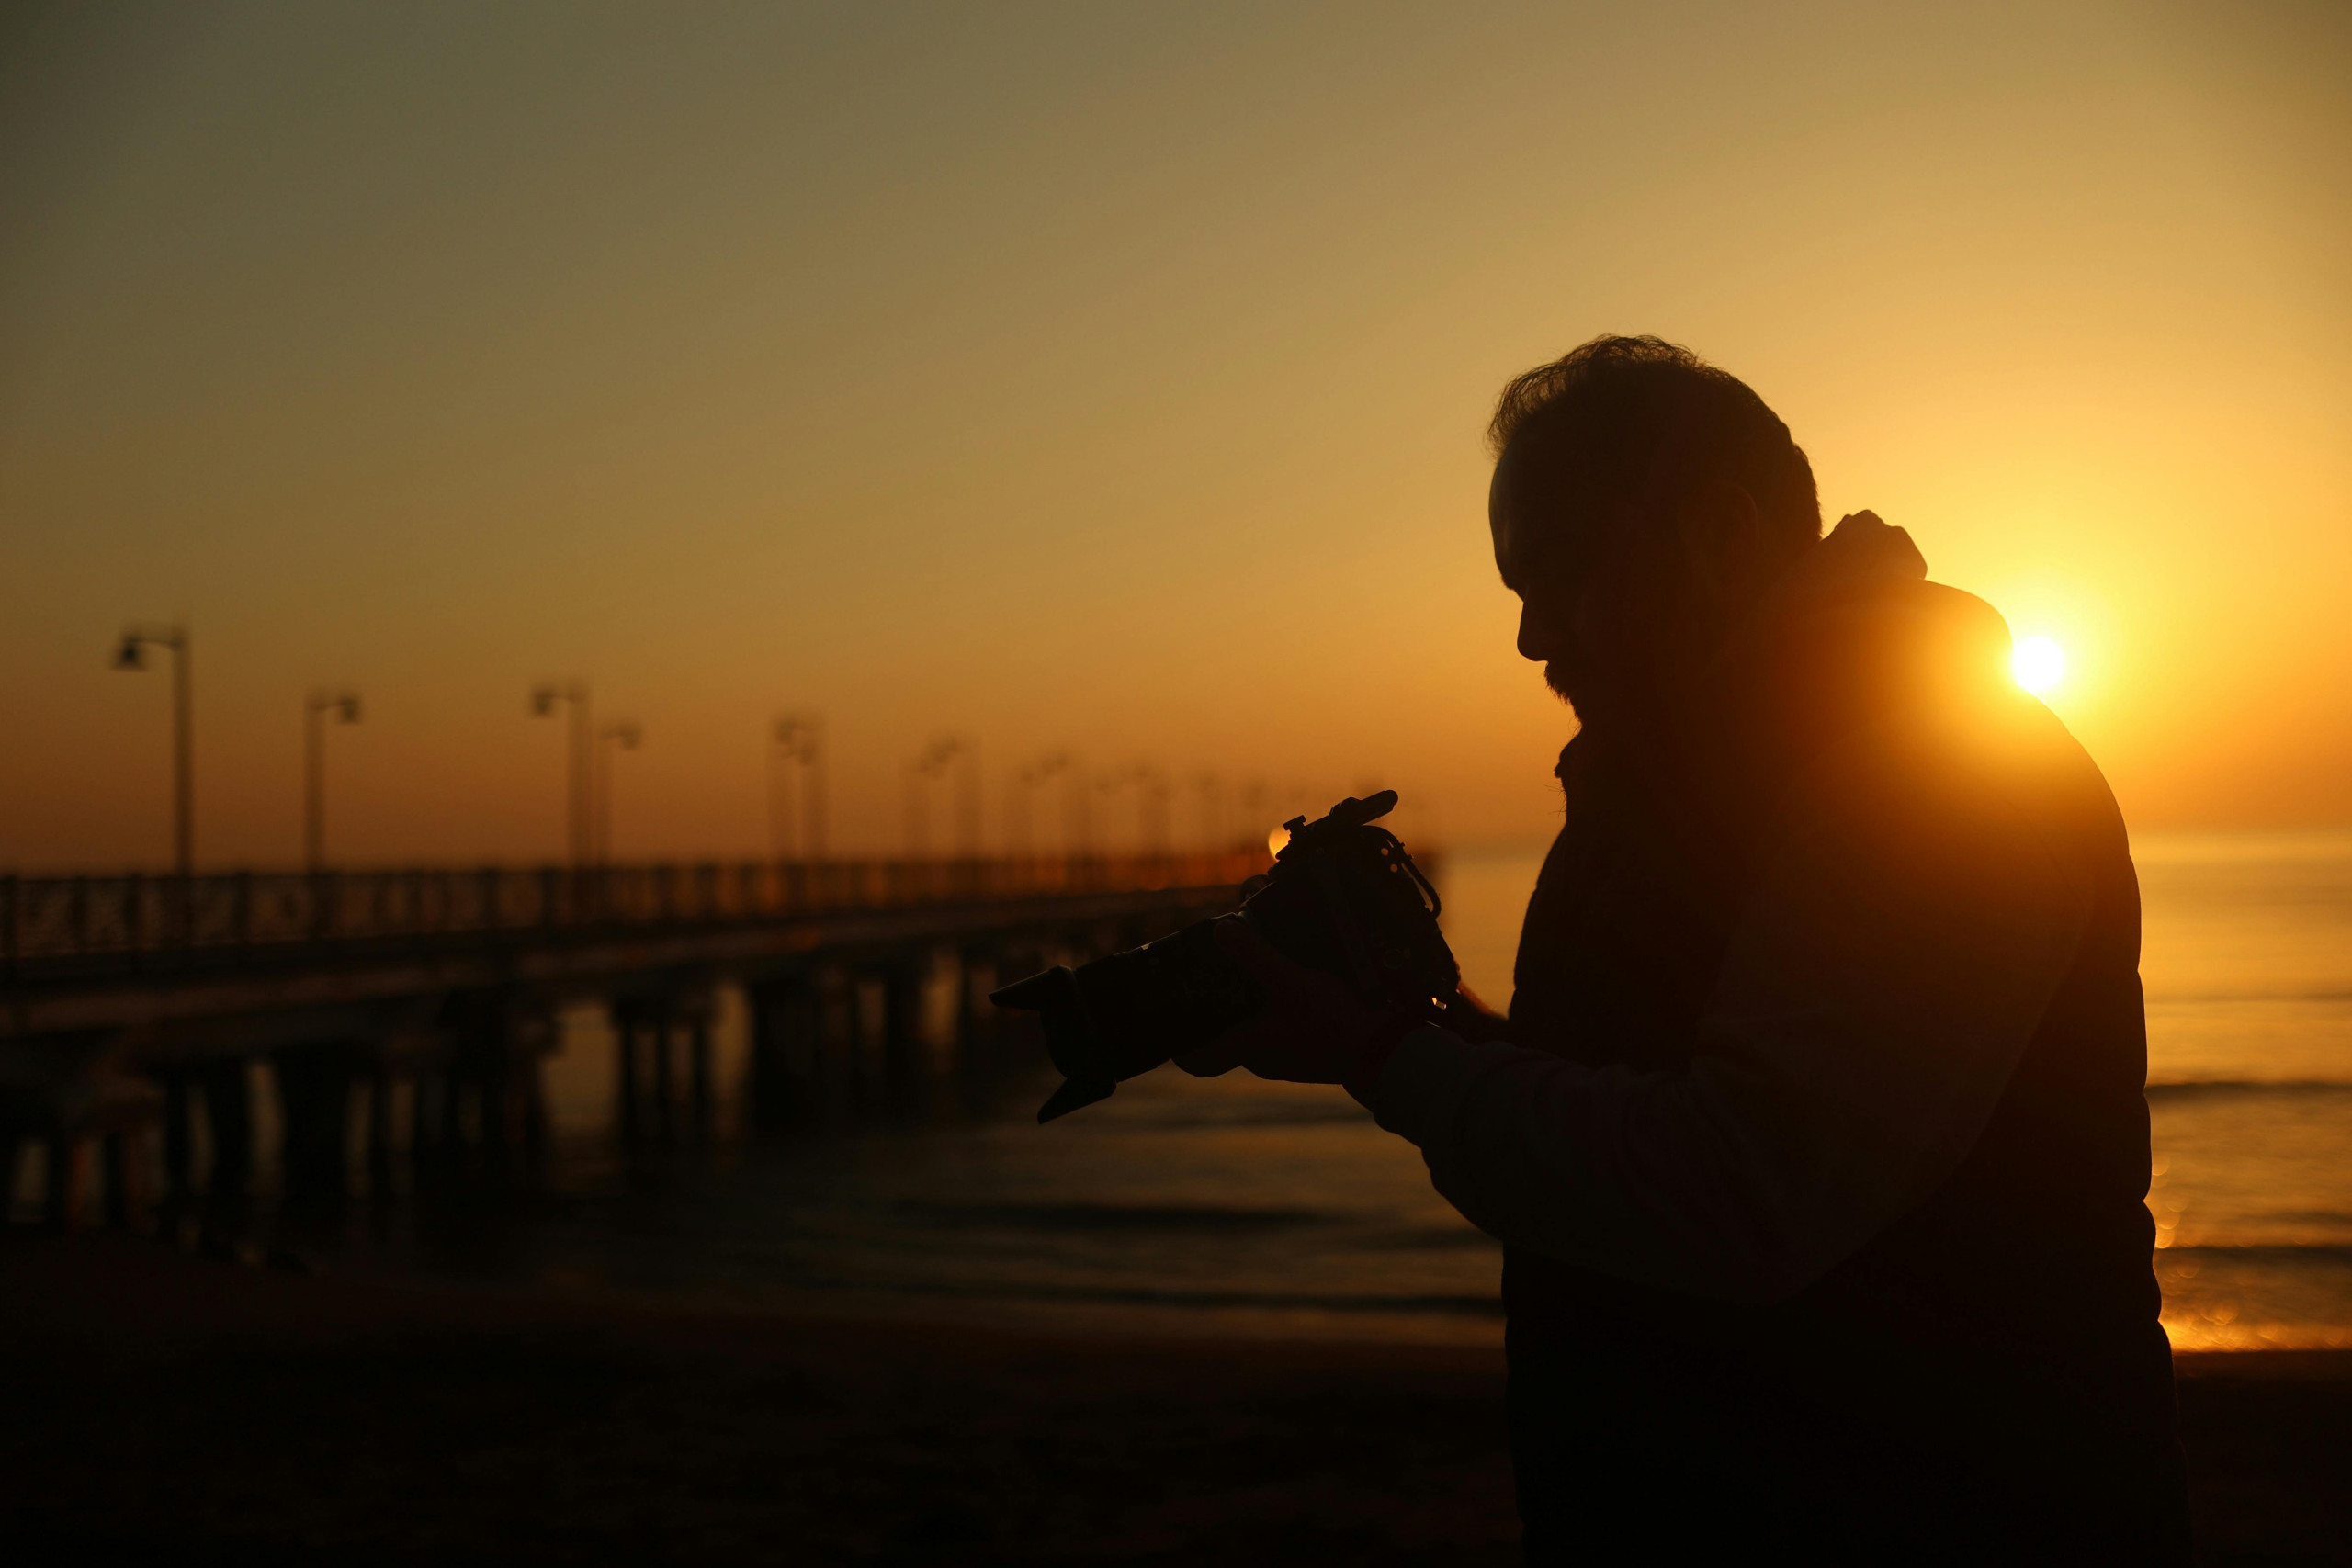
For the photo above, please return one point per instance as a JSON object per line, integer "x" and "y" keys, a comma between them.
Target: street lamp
{"x": 1021, "y": 810}
{"x": 797, "y": 744}
{"x": 968, "y": 828}
{"x": 1213, "y": 811}
{"x": 1151, "y": 808}
{"x": 1105, "y": 782}
{"x": 345, "y": 707}
{"x": 932, "y": 762}
{"x": 1254, "y": 814}
{"x": 131, "y": 655}
{"x": 922, "y": 768}
{"x": 623, "y": 734}
{"x": 578, "y": 814}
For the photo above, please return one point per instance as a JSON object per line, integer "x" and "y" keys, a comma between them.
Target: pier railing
{"x": 121, "y": 922}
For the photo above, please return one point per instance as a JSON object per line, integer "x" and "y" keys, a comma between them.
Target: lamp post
{"x": 1106, "y": 784}
{"x": 1019, "y": 838}
{"x": 131, "y": 655}
{"x": 1077, "y": 806}
{"x": 1213, "y": 811}
{"x": 797, "y": 746}
{"x": 1021, "y": 809}
{"x": 578, "y": 811}
{"x": 968, "y": 827}
{"x": 1151, "y": 808}
{"x": 316, "y": 709}
{"x": 1253, "y": 813}
{"x": 932, "y": 762}
{"x": 624, "y": 735}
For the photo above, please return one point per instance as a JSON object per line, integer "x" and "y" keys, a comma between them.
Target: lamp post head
{"x": 344, "y": 706}
{"x": 543, "y": 700}
{"x": 130, "y": 655}
{"x": 799, "y": 736}
{"x": 934, "y": 760}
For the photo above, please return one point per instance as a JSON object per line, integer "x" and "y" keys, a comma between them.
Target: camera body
{"x": 1343, "y": 897}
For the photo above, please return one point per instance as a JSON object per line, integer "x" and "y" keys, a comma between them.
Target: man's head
{"x": 1641, "y": 500}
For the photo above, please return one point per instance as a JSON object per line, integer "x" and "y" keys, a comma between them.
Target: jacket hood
{"x": 1862, "y": 555}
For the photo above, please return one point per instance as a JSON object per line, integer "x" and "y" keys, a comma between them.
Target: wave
{"x": 1236, "y": 1114}
{"x": 1107, "y": 1216}
{"x": 2266, "y": 1252}
{"x": 1451, "y": 1304}
{"x": 1466, "y": 1305}
{"x": 1449, "y": 1238}
{"x": 1204, "y": 1218}
{"x": 2218, "y": 1089}
{"x": 1448, "y": 1305}
{"x": 2201, "y": 998}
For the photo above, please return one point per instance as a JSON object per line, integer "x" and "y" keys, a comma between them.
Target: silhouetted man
{"x": 1815, "y": 1136}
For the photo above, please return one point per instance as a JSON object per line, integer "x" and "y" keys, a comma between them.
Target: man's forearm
{"x": 1474, "y": 1020}
{"x": 1634, "y": 1174}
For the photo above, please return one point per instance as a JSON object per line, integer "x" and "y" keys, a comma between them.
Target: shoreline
{"x": 169, "y": 1404}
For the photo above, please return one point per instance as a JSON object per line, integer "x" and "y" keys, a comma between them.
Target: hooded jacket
{"x": 1819, "y": 1144}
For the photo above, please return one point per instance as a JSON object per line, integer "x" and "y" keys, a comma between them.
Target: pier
{"x": 400, "y": 1018}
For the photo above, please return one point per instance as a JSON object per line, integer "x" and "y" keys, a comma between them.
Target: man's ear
{"x": 1721, "y": 531}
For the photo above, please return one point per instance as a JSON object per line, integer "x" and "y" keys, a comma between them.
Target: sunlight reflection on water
{"x": 1232, "y": 1206}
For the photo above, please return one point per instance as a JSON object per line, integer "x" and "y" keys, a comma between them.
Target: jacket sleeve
{"x": 1911, "y": 923}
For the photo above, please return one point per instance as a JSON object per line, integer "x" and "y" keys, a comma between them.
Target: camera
{"x": 1343, "y": 897}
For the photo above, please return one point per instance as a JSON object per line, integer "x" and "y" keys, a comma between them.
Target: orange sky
{"x": 1110, "y": 379}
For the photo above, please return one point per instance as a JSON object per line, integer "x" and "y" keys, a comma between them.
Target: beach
{"x": 1205, "y": 1321}
{"x": 164, "y": 1406}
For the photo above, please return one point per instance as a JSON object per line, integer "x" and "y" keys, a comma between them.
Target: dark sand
{"x": 171, "y": 1408}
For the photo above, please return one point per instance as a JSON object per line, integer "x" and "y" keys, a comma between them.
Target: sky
{"x": 1108, "y": 381}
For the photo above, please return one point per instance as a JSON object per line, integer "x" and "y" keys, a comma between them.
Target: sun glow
{"x": 2038, "y": 663}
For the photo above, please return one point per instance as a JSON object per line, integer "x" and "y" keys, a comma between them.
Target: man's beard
{"x": 1563, "y": 681}
{"x": 1590, "y": 699}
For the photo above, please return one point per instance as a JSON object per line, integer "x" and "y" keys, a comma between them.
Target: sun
{"x": 2038, "y": 663}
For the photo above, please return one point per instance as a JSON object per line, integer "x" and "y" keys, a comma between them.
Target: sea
{"x": 1228, "y": 1206}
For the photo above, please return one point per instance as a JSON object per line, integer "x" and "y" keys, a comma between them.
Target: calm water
{"x": 1234, "y": 1206}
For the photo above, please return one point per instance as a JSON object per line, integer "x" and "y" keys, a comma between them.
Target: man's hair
{"x": 1638, "y": 420}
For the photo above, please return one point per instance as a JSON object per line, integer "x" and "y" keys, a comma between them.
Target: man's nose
{"x": 1534, "y": 636}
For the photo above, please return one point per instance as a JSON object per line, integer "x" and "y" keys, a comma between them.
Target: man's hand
{"x": 1313, "y": 1029}
{"x": 1469, "y": 1016}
